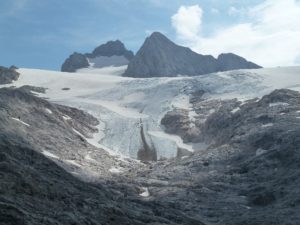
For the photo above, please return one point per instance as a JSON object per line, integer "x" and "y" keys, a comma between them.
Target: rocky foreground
{"x": 249, "y": 174}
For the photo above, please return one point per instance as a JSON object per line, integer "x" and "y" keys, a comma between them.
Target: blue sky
{"x": 42, "y": 33}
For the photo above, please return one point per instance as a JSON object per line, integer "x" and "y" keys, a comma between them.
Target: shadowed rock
{"x": 8, "y": 75}
{"x": 160, "y": 57}
{"x": 75, "y": 62}
{"x": 113, "y": 53}
{"x": 111, "y": 48}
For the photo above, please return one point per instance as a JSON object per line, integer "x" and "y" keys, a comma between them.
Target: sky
{"x": 43, "y": 33}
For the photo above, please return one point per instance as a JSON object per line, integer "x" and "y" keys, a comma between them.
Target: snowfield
{"x": 124, "y": 105}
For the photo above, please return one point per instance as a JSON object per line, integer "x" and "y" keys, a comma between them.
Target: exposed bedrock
{"x": 160, "y": 57}
{"x": 8, "y": 75}
{"x": 147, "y": 152}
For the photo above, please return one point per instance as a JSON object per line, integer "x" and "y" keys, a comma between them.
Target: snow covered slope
{"x": 129, "y": 108}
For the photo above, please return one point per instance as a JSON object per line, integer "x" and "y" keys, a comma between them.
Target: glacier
{"x": 124, "y": 105}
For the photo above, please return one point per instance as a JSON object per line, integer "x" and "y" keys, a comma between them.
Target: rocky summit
{"x": 75, "y": 62}
{"x": 112, "y": 53}
{"x": 159, "y": 57}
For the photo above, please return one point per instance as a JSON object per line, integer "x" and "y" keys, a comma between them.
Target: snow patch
{"x": 111, "y": 70}
{"x": 49, "y": 154}
{"x": 260, "y": 151}
{"x": 146, "y": 192}
{"x": 20, "y": 121}
{"x": 267, "y": 125}
{"x": 77, "y": 132}
{"x": 73, "y": 162}
{"x": 48, "y": 111}
{"x": 106, "y": 61}
{"x": 115, "y": 170}
{"x": 65, "y": 117}
{"x": 278, "y": 104}
{"x": 235, "y": 110}
{"x": 174, "y": 138}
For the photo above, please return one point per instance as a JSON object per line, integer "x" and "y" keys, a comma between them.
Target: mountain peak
{"x": 159, "y": 56}
{"x": 157, "y": 35}
{"x": 111, "y": 48}
{"x": 158, "y": 38}
{"x": 230, "y": 61}
{"x": 112, "y": 53}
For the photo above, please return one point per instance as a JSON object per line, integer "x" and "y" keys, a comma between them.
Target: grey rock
{"x": 8, "y": 75}
{"x": 177, "y": 122}
{"x": 225, "y": 184}
{"x": 231, "y": 61}
{"x": 160, "y": 57}
{"x": 147, "y": 152}
{"x": 111, "y": 48}
{"x": 74, "y": 62}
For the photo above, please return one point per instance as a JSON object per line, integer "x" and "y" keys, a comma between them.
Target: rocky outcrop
{"x": 231, "y": 61}
{"x": 113, "y": 53}
{"x": 160, "y": 57}
{"x": 74, "y": 62}
{"x": 250, "y": 168}
{"x": 8, "y": 75}
{"x": 111, "y": 48}
{"x": 146, "y": 152}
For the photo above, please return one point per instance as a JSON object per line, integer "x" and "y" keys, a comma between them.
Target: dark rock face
{"x": 147, "y": 152}
{"x": 231, "y": 61}
{"x": 177, "y": 122}
{"x": 161, "y": 57}
{"x": 75, "y": 62}
{"x": 254, "y": 156}
{"x": 111, "y": 48}
{"x": 8, "y": 75}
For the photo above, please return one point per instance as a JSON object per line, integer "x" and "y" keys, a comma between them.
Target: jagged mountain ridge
{"x": 159, "y": 57}
{"x": 112, "y": 53}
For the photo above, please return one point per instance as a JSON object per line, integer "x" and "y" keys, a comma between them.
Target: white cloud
{"x": 270, "y": 38}
{"x": 187, "y": 21}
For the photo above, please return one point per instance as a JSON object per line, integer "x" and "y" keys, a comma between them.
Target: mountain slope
{"x": 235, "y": 139}
{"x": 43, "y": 152}
{"x": 160, "y": 57}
